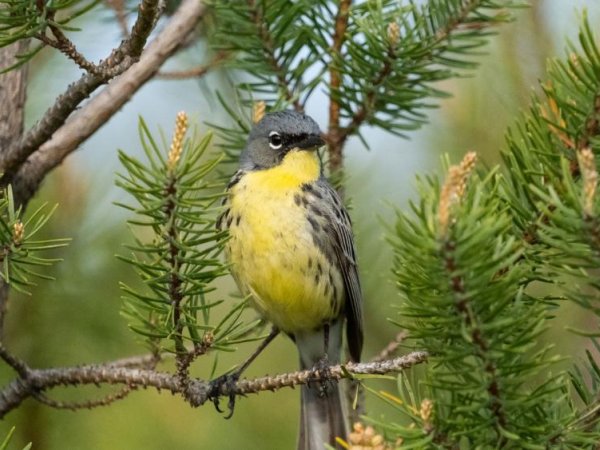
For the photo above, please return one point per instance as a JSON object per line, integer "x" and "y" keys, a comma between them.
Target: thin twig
{"x": 148, "y": 362}
{"x": 195, "y": 391}
{"x": 87, "y": 404}
{"x": 391, "y": 347}
{"x": 99, "y": 109}
{"x": 18, "y": 365}
{"x": 335, "y": 140}
{"x": 457, "y": 285}
{"x": 120, "y": 60}
{"x": 145, "y": 361}
{"x": 337, "y": 135}
{"x": 64, "y": 45}
{"x": 12, "y": 99}
{"x": 118, "y": 6}
{"x": 194, "y": 72}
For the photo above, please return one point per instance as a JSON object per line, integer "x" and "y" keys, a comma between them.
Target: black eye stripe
{"x": 285, "y": 141}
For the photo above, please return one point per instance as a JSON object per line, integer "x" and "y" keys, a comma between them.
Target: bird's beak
{"x": 311, "y": 142}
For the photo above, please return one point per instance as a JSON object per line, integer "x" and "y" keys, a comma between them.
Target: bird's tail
{"x": 322, "y": 417}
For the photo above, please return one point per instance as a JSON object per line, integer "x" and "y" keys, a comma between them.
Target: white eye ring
{"x": 275, "y": 141}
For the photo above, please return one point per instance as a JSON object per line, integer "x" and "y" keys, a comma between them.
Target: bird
{"x": 291, "y": 250}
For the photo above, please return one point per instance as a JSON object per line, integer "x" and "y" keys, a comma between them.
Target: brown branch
{"x": 175, "y": 281}
{"x": 337, "y": 135}
{"x": 13, "y": 157}
{"x": 195, "y": 391}
{"x": 98, "y": 110}
{"x": 149, "y": 361}
{"x": 195, "y": 72}
{"x": 118, "y": 6}
{"x": 67, "y": 48}
{"x": 334, "y": 137}
{"x": 87, "y": 404}
{"x": 367, "y": 107}
{"x": 18, "y": 365}
{"x": 457, "y": 284}
{"x": 12, "y": 98}
{"x": 391, "y": 347}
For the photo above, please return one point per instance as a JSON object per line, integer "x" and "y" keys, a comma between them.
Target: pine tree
{"x": 470, "y": 253}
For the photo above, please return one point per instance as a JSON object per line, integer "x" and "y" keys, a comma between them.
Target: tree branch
{"x": 64, "y": 45}
{"x": 118, "y": 6}
{"x": 194, "y": 391}
{"x": 391, "y": 347}
{"x": 120, "y": 60}
{"x": 98, "y": 110}
{"x": 12, "y": 98}
{"x": 337, "y": 135}
{"x": 195, "y": 72}
{"x": 335, "y": 141}
{"x": 457, "y": 286}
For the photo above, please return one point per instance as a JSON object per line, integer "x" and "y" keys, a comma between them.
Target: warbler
{"x": 291, "y": 249}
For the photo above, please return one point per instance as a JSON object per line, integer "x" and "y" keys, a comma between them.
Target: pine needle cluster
{"x": 176, "y": 245}
{"x": 468, "y": 257}
{"x": 21, "y": 252}
{"x": 379, "y": 61}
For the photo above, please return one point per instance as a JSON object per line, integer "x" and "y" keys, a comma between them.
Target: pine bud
{"x": 589, "y": 174}
{"x": 426, "y": 410}
{"x": 365, "y": 438}
{"x": 393, "y": 33}
{"x": 181, "y": 125}
{"x": 258, "y": 111}
{"x": 454, "y": 189}
{"x": 18, "y": 232}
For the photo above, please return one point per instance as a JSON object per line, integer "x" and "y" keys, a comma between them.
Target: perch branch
{"x": 194, "y": 391}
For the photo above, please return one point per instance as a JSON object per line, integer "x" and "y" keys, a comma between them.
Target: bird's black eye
{"x": 275, "y": 140}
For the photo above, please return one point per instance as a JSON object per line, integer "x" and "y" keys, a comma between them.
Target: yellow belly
{"x": 274, "y": 257}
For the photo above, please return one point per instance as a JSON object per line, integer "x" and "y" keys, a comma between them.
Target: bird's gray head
{"x": 277, "y": 134}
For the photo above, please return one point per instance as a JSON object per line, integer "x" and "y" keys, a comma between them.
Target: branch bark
{"x": 12, "y": 99}
{"x": 194, "y": 391}
{"x": 335, "y": 140}
{"x": 120, "y": 60}
{"x": 97, "y": 111}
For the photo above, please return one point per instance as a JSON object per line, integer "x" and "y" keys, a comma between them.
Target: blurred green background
{"x": 76, "y": 319}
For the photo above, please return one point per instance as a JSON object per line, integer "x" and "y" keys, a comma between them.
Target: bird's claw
{"x": 320, "y": 373}
{"x": 216, "y": 386}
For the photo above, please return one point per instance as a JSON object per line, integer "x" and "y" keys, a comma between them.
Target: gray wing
{"x": 324, "y": 201}
{"x": 224, "y": 217}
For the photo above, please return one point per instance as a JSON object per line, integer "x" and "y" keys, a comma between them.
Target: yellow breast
{"x": 272, "y": 250}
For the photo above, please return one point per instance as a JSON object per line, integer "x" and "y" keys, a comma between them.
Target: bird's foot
{"x": 320, "y": 375}
{"x": 216, "y": 386}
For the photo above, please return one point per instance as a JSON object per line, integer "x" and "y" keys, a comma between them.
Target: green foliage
{"x": 390, "y": 56}
{"x": 552, "y": 188}
{"x": 176, "y": 247}
{"x": 4, "y": 444}
{"x": 472, "y": 314}
{"x": 24, "y": 19}
{"x": 564, "y": 125}
{"x": 466, "y": 259}
{"x": 395, "y": 53}
{"x": 20, "y": 250}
